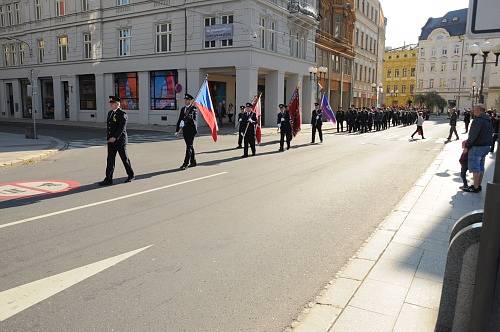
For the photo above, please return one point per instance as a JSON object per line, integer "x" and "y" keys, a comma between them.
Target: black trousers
{"x": 249, "y": 140}
{"x": 463, "y": 174}
{"x": 494, "y": 140}
{"x": 320, "y": 133}
{"x": 340, "y": 125}
{"x": 189, "y": 157}
{"x": 121, "y": 149}
{"x": 240, "y": 137}
{"x": 467, "y": 127}
{"x": 453, "y": 130}
{"x": 420, "y": 131}
{"x": 288, "y": 135}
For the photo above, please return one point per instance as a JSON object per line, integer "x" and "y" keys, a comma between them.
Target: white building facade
{"x": 444, "y": 64}
{"x": 78, "y": 52}
{"x": 369, "y": 42}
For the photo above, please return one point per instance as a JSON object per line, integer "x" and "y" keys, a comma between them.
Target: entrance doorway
{"x": 47, "y": 98}
{"x": 10, "y": 99}
{"x": 66, "y": 99}
{"x": 26, "y": 100}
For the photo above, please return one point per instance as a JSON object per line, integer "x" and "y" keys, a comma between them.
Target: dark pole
{"x": 481, "y": 96}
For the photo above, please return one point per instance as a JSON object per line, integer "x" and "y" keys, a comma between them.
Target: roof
{"x": 455, "y": 22}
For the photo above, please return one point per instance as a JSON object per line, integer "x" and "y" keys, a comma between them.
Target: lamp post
{"x": 484, "y": 50}
{"x": 475, "y": 93}
{"x": 394, "y": 94}
{"x": 317, "y": 74}
{"x": 378, "y": 90}
{"x": 487, "y": 271}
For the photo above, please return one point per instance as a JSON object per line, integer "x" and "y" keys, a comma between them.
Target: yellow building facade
{"x": 400, "y": 80}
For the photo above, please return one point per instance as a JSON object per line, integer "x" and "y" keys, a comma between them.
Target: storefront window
{"x": 162, "y": 92}
{"x": 87, "y": 92}
{"x": 127, "y": 88}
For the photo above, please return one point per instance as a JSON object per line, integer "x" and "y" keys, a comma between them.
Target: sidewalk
{"x": 16, "y": 149}
{"x": 394, "y": 282}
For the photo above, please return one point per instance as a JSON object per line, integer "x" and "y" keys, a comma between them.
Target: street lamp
{"x": 484, "y": 50}
{"x": 394, "y": 93}
{"x": 316, "y": 75}
{"x": 475, "y": 93}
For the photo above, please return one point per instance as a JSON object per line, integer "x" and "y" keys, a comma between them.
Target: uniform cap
{"x": 281, "y": 105}
{"x": 242, "y": 107}
{"x": 188, "y": 96}
{"x": 316, "y": 104}
{"x": 114, "y": 99}
{"x": 249, "y": 105}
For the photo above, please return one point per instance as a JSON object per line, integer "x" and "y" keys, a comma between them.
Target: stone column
{"x": 307, "y": 98}
{"x": 275, "y": 86}
{"x": 3, "y": 100}
{"x": 58, "y": 98}
{"x": 246, "y": 84}
{"x": 101, "y": 97}
{"x": 18, "y": 103}
{"x": 292, "y": 81}
{"x": 194, "y": 80}
{"x": 37, "y": 98}
{"x": 143, "y": 97}
{"x": 74, "y": 97}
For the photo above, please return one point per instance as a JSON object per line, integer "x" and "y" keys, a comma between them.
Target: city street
{"x": 231, "y": 245}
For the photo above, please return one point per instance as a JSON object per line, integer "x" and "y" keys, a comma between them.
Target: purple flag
{"x": 327, "y": 110}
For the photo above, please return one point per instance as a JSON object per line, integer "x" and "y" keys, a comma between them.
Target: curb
{"x": 59, "y": 146}
{"x": 327, "y": 306}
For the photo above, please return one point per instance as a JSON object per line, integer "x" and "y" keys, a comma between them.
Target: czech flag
{"x": 327, "y": 110}
{"x": 257, "y": 108}
{"x": 204, "y": 103}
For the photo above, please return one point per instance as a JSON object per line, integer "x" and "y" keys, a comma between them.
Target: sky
{"x": 405, "y": 18}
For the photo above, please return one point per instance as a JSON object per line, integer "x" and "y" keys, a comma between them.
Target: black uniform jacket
{"x": 188, "y": 115}
{"x": 117, "y": 126}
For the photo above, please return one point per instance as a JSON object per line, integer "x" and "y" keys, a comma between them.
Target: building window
{"x": 60, "y": 9}
{"x": 421, "y": 84}
{"x": 9, "y": 15}
{"x": 433, "y": 67}
{"x": 412, "y": 89}
{"x": 464, "y": 82}
{"x": 396, "y": 73}
{"x": 38, "y": 10}
{"x": 22, "y": 54}
{"x": 163, "y": 94}
{"x": 444, "y": 51}
{"x": 2, "y": 18}
{"x": 163, "y": 38}
{"x": 362, "y": 40}
{"x": 124, "y": 42}
{"x": 433, "y": 52}
{"x": 454, "y": 83}
{"x": 431, "y": 83}
{"x": 422, "y": 68}
{"x": 62, "y": 45}
{"x": 17, "y": 15}
{"x": 441, "y": 83}
{"x": 403, "y": 89}
{"x": 87, "y": 92}
{"x": 227, "y": 19}
{"x": 209, "y": 21}
{"x": 338, "y": 26}
{"x": 6, "y": 59}
{"x": 422, "y": 51}
{"x": 85, "y": 5}
{"x": 443, "y": 67}
{"x": 456, "y": 50}
{"x": 405, "y": 72}
{"x": 412, "y": 72}
{"x": 357, "y": 37}
{"x": 122, "y": 2}
{"x": 262, "y": 29}
{"x": 41, "y": 50}
{"x": 87, "y": 46}
{"x": 13, "y": 55}
{"x": 127, "y": 88}
{"x": 389, "y": 73}
{"x": 272, "y": 41}
{"x": 455, "y": 66}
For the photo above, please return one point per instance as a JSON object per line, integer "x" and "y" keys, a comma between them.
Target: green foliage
{"x": 431, "y": 100}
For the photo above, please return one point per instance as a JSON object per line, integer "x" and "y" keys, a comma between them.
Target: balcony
{"x": 303, "y": 13}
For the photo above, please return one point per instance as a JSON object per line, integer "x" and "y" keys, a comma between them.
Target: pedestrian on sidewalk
{"x": 117, "y": 141}
{"x": 464, "y": 161}
{"x": 479, "y": 144}
{"x": 453, "y": 124}
{"x": 466, "y": 120}
{"x": 420, "y": 126}
{"x": 230, "y": 112}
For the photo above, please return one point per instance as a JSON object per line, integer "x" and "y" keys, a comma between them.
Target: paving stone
{"x": 432, "y": 266}
{"x": 403, "y": 253}
{"x": 416, "y": 319}
{"x": 380, "y": 297}
{"x": 340, "y": 292}
{"x": 359, "y": 320}
{"x": 376, "y": 245}
{"x": 394, "y": 272}
{"x": 320, "y": 318}
{"x": 425, "y": 293}
{"x": 357, "y": 269}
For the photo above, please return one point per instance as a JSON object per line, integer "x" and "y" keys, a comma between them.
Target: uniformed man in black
{"x": 285, "y": 127}
{"x": 117, "y": 141}
{"x": 340, "y": 120}
{"x": 187, "y": 122}
{"x": 249, "y": 121}
{"x": 241, "y": 128}
{"x": 317, "y": 123}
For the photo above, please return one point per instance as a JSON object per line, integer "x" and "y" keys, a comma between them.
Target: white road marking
{"x": 76, "y": 208}
{"x": 17, "y": 299}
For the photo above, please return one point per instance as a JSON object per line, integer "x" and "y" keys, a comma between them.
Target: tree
{"x": 431, "y": 100}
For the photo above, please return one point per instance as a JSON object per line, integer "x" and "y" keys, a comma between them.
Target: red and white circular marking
{"x": 12, "y": 190}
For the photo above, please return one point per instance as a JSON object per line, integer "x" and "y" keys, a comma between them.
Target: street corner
{"x": 18, "y": 190}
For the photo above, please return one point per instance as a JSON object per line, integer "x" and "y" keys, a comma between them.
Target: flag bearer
{"x": 187, "y": 123}
{"x": 249, "y": 120}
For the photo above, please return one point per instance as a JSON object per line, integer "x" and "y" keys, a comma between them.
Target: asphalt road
{"x": 236, "y": 245}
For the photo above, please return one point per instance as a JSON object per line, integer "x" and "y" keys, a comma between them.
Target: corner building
{"x": 77, "y": 52}
{"x": 400, "y": 76}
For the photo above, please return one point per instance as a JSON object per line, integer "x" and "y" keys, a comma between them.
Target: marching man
{"x": 187, "y": 123}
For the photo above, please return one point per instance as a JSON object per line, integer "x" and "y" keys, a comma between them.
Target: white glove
{"x": 282, "y": 119}
{"x": 250, "y": 120}
{"x": 181, "y": 125}
{"x": 279, "y": 125}
{"x": 317, "y": 118}
{"x": 239, "y": 120}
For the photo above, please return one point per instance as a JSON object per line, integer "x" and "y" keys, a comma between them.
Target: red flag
{"x": 204, "y": 103}
{"x": 294, "y": 109}
{"x": 257, "y": 108}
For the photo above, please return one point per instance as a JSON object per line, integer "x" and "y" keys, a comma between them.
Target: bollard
{"x": 468, "y": 219}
